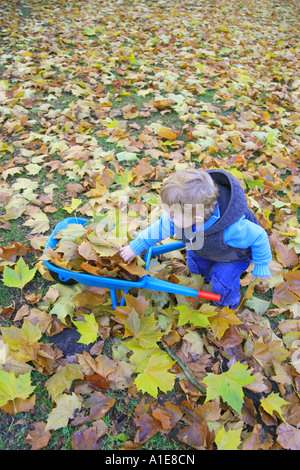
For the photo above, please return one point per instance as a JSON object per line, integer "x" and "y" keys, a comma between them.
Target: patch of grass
{"x": 13, "y": 431}
{"x": 120, "y": 420}
{"x": 162, "y": 442}
{"x": 7, "y": 295}
{"x": 16, "y": 233}
{"x": 61, "y": 439}
{"x": 208, "y": 96}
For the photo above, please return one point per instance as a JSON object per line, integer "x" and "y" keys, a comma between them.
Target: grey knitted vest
{"x": 233, "y": 205}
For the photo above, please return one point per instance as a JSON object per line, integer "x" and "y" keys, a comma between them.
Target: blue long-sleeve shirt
{"x": 241, "y": 234}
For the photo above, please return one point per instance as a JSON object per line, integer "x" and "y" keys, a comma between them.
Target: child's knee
{"x": 229, "y": 294}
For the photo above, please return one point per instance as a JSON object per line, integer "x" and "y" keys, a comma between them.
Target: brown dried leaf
{"x": 259, "y": 439}
{"x": 11, "y": 252}
{"x": 168, "y": 415}
{"x": 197, "y": 436}
{"x": 288, "y": 436}
{"x": 85, "y": 439}
{"x": 287, "y": 257}
{"x": 38, "y": 438}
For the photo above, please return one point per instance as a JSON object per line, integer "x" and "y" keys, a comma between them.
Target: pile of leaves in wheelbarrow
{"x": 93, "y": 248}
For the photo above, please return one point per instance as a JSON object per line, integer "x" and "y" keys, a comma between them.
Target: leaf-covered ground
{"x": 104, "y": 99}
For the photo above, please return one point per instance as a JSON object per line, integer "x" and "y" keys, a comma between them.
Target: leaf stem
{"x": 185, "y": 371}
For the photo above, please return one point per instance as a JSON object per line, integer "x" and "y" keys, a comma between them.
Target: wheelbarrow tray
{"x": 146, "y": 282}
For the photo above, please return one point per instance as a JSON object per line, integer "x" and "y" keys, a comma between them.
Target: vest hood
{"x": 232, "y": 200}
{"x": 233, "y": 205}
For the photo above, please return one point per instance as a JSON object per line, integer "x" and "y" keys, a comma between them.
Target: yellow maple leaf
{"x": 143, "y": 329}
{"x": 73, "y": 206}
{"x": 88, "y": 329}
{"x": 66, "y": 405}
{"x": 228, "y": 440}
{"x": 12, "y": 387}
{"x": 221, "y": 322}
{"x": 28, "y": 334}
{"x": 154, "y": 374}
{"x": 139, "y": 354}
{"x": 273, "y": 403}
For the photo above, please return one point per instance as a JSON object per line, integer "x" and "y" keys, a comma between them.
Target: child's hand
{"x": 127, "y": 254}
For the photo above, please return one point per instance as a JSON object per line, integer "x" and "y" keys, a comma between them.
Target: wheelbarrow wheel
{"x": 69, "y": 282}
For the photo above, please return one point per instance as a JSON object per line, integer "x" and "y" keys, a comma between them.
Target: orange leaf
{"x": 134, "y": 269}
{"x": 163, "y": 104}
{"x": 98, "y": 381}
{"x": 221, "y": 322}
{"x": 166, "y": 133}
{"x": 11, "y": 252}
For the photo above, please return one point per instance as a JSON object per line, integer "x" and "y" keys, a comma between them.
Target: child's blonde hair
{"x": 190, "y": 186}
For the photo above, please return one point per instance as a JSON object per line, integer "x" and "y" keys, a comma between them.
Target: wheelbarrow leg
{"x": 114, "y": 299}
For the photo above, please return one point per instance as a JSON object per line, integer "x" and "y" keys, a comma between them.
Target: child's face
{"x": 184, "y": 220}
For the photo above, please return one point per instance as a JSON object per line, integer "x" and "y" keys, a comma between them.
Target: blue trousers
{"x": 225, "y": 277}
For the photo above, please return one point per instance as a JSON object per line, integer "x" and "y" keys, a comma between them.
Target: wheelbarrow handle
{"x": 208, "y": 295}
{"x": 160, "y": 285}
{"x": 166, "y": 248}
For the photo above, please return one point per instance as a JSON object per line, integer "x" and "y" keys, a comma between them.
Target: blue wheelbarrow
{"x": 147, "y": 282}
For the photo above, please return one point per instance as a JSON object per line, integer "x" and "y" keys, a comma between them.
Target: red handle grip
{"x": 208, "y": 295}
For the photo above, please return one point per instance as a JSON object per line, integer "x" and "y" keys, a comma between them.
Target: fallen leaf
{"x": 12, "y": 387}
{"x": 86, "y": 439}
{"x": 273, "y": 403}
{"x": 228, "y": 440}
{"x": 88, "y": 329}
{"x": 228, "y": 385}
{"x": 63, "y": 379}
{"x": 166, "y": 133}
{"x": 39, "y": 223}
{"x": 20, "y": 276}
{"x": 154, "y": 375}
{"x": 288, "y": 436}
{"x": 65, "y": 409}
{"x": 221, "y": 322}
{"x": 197, "y": 436}
{"x": 38, "y": 438}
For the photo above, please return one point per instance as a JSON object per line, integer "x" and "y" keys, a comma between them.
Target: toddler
{"x": 208, "y": 209}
